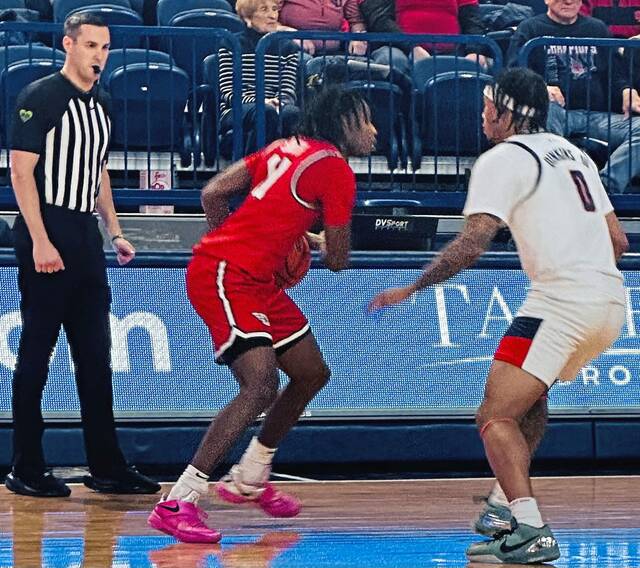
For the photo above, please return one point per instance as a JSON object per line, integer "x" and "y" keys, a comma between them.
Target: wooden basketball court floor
{"x": 383, "y": 524}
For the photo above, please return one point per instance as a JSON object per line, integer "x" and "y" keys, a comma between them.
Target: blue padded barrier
{"x": 382, "y": 442}
{"x": 619, "y": 439}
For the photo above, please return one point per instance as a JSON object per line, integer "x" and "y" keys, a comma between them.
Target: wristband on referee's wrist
{"x": 118, "y": 236}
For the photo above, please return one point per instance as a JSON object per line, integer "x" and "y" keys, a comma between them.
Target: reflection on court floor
{"x": 592, "y": 548}
{"x": 367, "y": 524}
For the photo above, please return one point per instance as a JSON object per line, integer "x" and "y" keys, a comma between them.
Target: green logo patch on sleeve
{"x": 25, "y": 114}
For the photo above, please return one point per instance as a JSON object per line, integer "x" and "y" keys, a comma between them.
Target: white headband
{"x": 508, "y": 102}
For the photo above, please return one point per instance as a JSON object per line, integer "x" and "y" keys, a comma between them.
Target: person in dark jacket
{"x": 578, "y": 79}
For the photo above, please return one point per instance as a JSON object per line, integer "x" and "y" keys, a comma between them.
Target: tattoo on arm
{"x": 462, "y": 252}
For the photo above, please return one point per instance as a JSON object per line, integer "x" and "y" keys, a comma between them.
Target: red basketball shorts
{"x": 553, "y": 340}
{"x": 241, "y": 312}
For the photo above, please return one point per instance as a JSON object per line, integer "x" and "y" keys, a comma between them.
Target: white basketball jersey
{"x": 550, "y": 195}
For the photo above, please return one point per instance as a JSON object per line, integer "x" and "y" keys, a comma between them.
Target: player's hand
{"x": 390, "y": 297}
{"x": 46, "y": 257}
{"x": 630, "y": 101}
{"x": 125, "y": 251}
{"x": 317, "y": 241}
{"x": 274, "y": 102}
{"x": 555, "y": 95}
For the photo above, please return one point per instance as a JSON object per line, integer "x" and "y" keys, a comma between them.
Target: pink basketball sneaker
{"x": 273, "y": 502}
{"x": 182, "y": 520}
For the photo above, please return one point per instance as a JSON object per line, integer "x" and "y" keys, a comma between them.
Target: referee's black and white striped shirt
{"x": 69, "y": 130}
{"x": 280, "y": 70}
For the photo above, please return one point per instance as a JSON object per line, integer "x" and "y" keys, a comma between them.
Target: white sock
{"x": 497, "y": 496}
{"x": 525, "y": 510}
{"x": 191, "y": 485}
{"x": 255, "y": 464}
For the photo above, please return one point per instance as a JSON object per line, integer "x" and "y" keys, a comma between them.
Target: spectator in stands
{"x": 622, "y": 16}
{"x": 326, "y": 16}
{"x": 578, "y": 81}
{"x": 281, "y": 67}
{"x": 418, "y": 17}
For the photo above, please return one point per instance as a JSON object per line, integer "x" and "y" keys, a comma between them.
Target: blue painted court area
{"x": 602, "y": 548}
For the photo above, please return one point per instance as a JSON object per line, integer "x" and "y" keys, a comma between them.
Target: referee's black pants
{"x": 77, "y": 298}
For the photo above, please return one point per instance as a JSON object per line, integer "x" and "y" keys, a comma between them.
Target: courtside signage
{"x": 428, "y": 356}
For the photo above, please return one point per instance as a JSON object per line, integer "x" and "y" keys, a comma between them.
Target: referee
{"x": 59, "y": 146}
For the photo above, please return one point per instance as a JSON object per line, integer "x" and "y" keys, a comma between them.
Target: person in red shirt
{"x": 256, "y": 327}
{"x": 442, "y": 17}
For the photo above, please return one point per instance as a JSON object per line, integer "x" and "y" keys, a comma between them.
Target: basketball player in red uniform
{"x": 255, "y": 326}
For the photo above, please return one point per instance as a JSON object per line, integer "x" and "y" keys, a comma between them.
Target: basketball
{"x": 296, "y": 265}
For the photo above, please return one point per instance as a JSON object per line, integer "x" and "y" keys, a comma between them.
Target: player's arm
{"x": 46, "y": 257}
{"x": 338, "y": 245}
{"x": 215, "y": 196}
{"x": 461, "y": 253}
{"x": 331, "y": 184}
{"x": 618, "y": 236}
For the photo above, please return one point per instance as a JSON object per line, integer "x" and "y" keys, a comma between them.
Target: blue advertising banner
{"x": 428, "y": 356}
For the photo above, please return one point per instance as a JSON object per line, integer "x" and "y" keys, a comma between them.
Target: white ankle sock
{"x": 191, "y": 485}
{"x": 497, "y": 496}
{"x": 255, "y": 464}
{"x": 525, "y": 510}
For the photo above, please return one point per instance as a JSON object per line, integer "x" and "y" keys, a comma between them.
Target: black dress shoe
{"x": 127, "y": 481}
{"x": 47, "y": 485}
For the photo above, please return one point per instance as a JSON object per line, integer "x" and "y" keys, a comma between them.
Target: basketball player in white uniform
{"x": 549, "y": 194}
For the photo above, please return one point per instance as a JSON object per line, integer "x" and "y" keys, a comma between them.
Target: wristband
{"x": 116, "y": 237}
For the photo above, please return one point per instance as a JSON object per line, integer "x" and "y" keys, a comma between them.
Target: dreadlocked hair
{"x": 329, "y": 111}
{"x": 524, "y": 93}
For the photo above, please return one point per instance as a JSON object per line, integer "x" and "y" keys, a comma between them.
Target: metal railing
{"x": 402, "y": 119}
{"x": 593, "y": 117}
{"x": 427, "y": 144}
{"x": 152, "y": 130}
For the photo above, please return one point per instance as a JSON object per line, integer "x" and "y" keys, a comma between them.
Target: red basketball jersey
{"x": 294, "y": 183}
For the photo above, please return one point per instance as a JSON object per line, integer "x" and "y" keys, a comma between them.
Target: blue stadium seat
{"x": 126, "y": 57}
{"x": 539, "y": 6}
{"x": 168, "y": 9}
{"x": 425, "y": 69}
{"x": 148, "y": 108}
{"x": 13, "y": 53}
{"x": 61, "y": 8}
{"x": 189, "y": 52}
{"x": 450, "y": 115}
{"x": 138, "y": 6}
{"x": 13, "y": 79}
{"x": 388, "y": 114}
{"x": 11, "y": 4}
{"x": 207, "y": 18}
{"x": 114, "y": 15}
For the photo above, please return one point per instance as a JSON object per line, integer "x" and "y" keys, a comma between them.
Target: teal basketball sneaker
{"x": 523, "y": 545}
